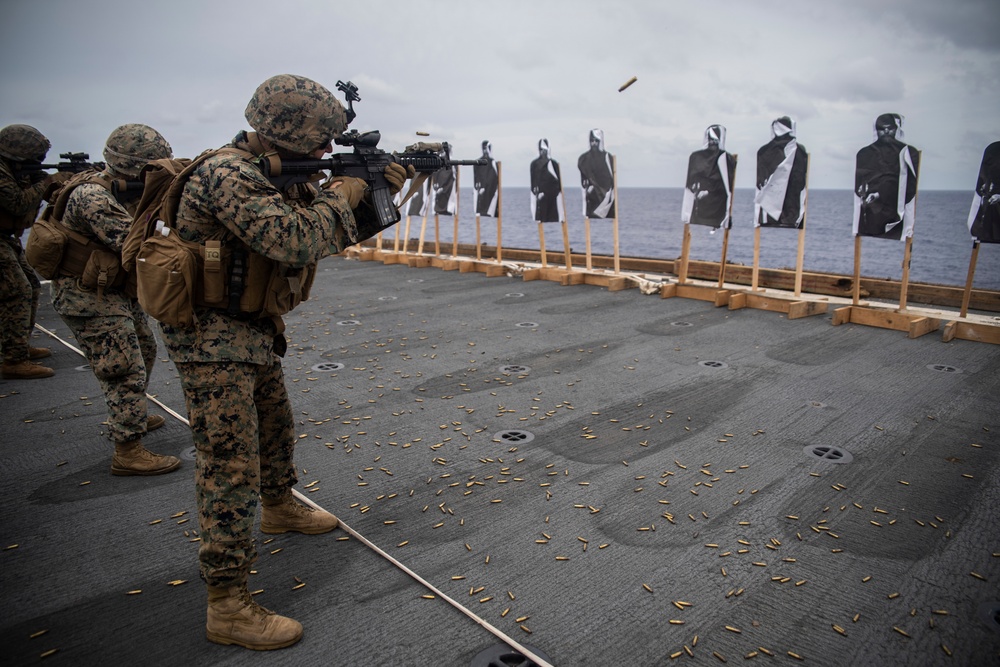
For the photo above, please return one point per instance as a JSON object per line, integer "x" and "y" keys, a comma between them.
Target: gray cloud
{"x": 513, "y": 72}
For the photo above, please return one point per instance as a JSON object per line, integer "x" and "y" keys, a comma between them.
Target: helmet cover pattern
{"x": 23, "y": 143}
{"x": 296, "y": 113}
{"x": 129, "y": 147}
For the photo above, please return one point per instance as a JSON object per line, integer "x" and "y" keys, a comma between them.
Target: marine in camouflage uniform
{"x": 230, "y": 365}
{"x": 21, "y": 193}
{"x": 111, "y": 328}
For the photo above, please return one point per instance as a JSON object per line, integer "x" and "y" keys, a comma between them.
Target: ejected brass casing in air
{"x": 627, "y": 84}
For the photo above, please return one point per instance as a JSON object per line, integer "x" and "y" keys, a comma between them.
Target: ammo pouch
{"x": 175, "y": 275}
{"x": 56, "y": 251}
{"x": 101, "y": 271}
{"x": 245, "y": 283}
{"x": 46, "y": 247}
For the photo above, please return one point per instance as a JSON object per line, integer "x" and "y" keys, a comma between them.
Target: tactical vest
{"x": 222, "y": 273}
{"x": 57, "y": 251}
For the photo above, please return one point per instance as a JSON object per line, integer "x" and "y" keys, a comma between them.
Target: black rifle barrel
{"x": 425, "y": 163}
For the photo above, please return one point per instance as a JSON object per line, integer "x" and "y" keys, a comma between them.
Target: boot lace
{"x": 252, "y": 606}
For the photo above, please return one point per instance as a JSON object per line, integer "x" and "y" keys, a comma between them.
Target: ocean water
{"x": 649, "y": 226}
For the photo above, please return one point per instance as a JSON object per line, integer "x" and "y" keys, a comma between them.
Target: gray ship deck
{"x": 609, "y": 477}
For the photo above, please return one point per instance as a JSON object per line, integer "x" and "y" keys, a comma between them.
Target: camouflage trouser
{"x": 19, "y": 290}
{"x": 244, "y": 435}
{"x": 121, "y": 351}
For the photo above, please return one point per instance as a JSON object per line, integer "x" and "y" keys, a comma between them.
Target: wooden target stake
{"x": 905, "y": 283}
{"x": 756, "y": 259}
{"x": 541, "y": 243}
{"x": 725, "y": 232}
{"x": 967, "y": 294}
{"x": 437, "y": 234}
{"x": 565, "y": 230}
{"x": 458, "y": 194}
{"x": 614, "y": 222}
{"x": 423, "y": 229}
{"x": 907, "y": 254}
{"x": 682, "y": 272}
{"x": 499, "y": 211}
{"x": 802, "y": 235}
{"x": 856, "y": 293}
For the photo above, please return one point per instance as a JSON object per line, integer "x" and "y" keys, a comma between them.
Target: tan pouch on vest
{"x": 45, "y": 248}
{"x": 287, "y": 289}
{"x": 101, "y": 271}
{"x": 167, "y": 272}
{"x": 213, "y": 274}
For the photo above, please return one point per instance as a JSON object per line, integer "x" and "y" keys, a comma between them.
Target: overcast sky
{"x": 516, "y": 71}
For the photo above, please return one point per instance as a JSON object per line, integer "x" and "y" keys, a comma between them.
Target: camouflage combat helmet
{"x": 130, "y": 146}
{"x": 23, "y": 143}
{"x": 296, "y": 113}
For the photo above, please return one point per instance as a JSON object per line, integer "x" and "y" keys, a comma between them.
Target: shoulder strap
{"x": 159, "y": 177}
{"x": 163, "y": 184}
{"x": 172, "y": 199}
{"x": 58, "y": 209}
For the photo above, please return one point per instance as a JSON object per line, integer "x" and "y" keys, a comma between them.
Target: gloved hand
{"x": 353, "y": 189}
{"x": 53, "y": 183}
{"x": 60, "y": 177}
{"x": 397, "y": 175}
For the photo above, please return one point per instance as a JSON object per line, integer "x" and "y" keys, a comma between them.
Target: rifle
{"x": 367, "y": 161}
{"x": 75, "y": 163}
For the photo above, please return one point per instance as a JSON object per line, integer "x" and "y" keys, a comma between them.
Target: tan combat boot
{"x": 234, "y": 618}
{"x": 154, "y": 422}
{"x": 131, "y": 458}
{"x": 39, "y": 353}
{"x": 285, "y": 514}
{"x": 24, "y": 370}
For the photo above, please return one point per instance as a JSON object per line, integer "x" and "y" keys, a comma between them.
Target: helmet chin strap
{"x": 258, "y": 144}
